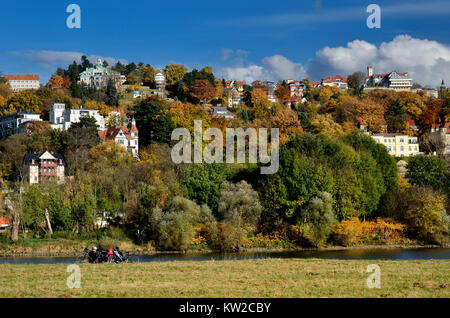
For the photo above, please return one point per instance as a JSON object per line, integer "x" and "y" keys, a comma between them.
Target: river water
{"x": 349, "y": 254}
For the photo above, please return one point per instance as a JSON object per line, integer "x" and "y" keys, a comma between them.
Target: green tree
{"x": 34, "y": 206}
{"x": 145, "y": 113}
{"x": 112, "y": 93}
{"x": 204, "y": 183}
{"x": 429, "y": 171}
{"x": 356, "y": 81}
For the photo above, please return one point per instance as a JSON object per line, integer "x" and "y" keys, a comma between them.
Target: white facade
{"x": 62, "y": 118}
{"x": 15, "y": 123}
{"x": 160, "y": 81}
{"x": 398, "y": 145}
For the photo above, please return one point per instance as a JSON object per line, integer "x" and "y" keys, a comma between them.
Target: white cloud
{"x": 426, "y": 61}
{"x": 50, "y": 59}
{"x": 273, "y": 68}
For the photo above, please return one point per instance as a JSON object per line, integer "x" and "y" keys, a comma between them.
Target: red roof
{"x": 27, "y": 77}
{"x": 437, "y": 126}
{"x": 315, "y": 83}
{"x": 331, "y": 79}
{"x": 4, "y": 220}
{"x": 133, "y": 128}
{"x": 111, "y": 133}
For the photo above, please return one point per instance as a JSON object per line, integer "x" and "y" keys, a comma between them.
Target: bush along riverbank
{"x": 351, "y": 234}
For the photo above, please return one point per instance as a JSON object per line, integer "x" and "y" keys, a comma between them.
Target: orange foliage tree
{"x": 203, "y": 90}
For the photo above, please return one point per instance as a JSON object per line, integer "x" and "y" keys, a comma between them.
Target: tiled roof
{"x": 437, "y": 126}
{"x": 331, "y": 79}
{"x": 112, "y": 132}
{"x": 27, "y": 77}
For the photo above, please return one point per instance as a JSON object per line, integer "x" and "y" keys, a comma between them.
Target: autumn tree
{"x": 56, "y": 81}
{"x": 22, "y": 101}
{"x": 148, "y": 75}
{"x": 282, "y": 92}
{"x": 174, "y": 73}
{"x": 260, "y": 104}
{"x": 203, "y": 90}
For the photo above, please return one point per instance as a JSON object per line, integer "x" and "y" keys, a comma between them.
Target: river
{"x": 347, "y": 254}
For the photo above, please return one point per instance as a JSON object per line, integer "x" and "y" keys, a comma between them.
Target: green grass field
{"x": 290, "y": 278}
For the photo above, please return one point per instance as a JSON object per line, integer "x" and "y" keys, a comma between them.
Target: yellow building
{"x": 398, "y": 145}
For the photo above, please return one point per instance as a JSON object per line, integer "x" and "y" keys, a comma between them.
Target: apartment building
{"x": 393, "y": 80}
{"x": 23, "y": 82}
{"x": 398, "y": 145}
{"x": 16, "y": 123}
{"x": 337, "y": 81}
{"x": 62, "y": 118}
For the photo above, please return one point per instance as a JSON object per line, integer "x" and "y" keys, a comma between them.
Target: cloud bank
{"x": 426, "y": 61}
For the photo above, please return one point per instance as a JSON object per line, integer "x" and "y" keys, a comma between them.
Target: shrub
{"x": 240, "y": 211}
{"x": 385, "y": 228}
{"x": 174, "y": 228}
{"x": 107, "y": 242}
{"x": 348, "y": 232}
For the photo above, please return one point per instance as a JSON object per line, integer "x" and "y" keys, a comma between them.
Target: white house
{"x": 127, "y": 138}
{"x": 62, "y": 118}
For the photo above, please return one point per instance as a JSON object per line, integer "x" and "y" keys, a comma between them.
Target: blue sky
{"x": 245, "y": 38}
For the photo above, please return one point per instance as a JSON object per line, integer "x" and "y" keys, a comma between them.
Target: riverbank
{"x": 71, "y": 248}
{"x": 245, "y": 278}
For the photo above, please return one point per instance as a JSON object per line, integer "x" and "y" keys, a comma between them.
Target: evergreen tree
{"x": 112, "y": 93}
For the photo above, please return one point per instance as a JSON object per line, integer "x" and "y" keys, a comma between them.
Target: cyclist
{"x": 93, "y": 255}
{"x": 110, "y": 255}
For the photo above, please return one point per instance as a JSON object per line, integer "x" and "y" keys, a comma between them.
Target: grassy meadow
{"x": 291, "y": 278}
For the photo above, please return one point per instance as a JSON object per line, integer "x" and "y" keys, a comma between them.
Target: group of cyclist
{"x": 101, "y": 256}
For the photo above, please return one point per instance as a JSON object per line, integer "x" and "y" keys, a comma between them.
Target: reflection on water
{"x": 368, "y": 254}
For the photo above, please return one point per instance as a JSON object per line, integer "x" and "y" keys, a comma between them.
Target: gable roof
{"x": 37, "y": 156}
{"x": 112, "y": 132}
